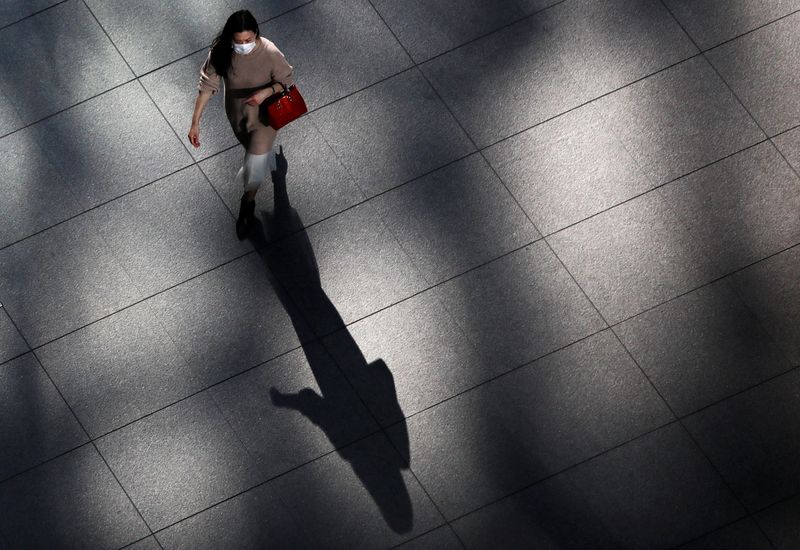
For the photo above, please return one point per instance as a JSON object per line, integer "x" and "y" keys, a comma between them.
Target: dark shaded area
{"x": 298, "y": 264}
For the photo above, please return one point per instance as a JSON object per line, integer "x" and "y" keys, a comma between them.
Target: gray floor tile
{"x": 293, "y": 409}
{"x": 529, "y": 424}
{"x": 145, "y": 544}
{"x": 392, "y": 132}
{"x": 179, "y": 461}
{"x": 71, "y": 502}
{"x": 12, "y": 11}
{"x": 169, "y": 231}
{"x": 650, "y": 494}
{"x": 61, "y": 279}
{"x": 33, "y": 196}
{"x": 35, "y": 423}
{"x": 505, "y": 82}
{"x": 742, "y": 535}
{"x": 227, "y": 320}
{"x": 519, "y": 307}
{"x": 714, "y": 21}
{"x": 47, "y": 57}
{"x": 255, "y": 519}
{"x": 9, "y": 116}
{"x": 609, "y": 44}
{"x": 110, "y": 145}
{"x": 119, "y": 369}
{"x": 358, "y": 497}
{"x": 780, "y": 524}
{"x": 174, "y": 89}
{"x": 344, "y": 268}
{"x": 702, "y": 347}
{"x": 567, "y": 169}
{"x": 264, "y": 10}
{"x": 351, "y": 48}
{"x": 679, "y": 120}
{"x": 753, "y": 439}
{"x": 789, "y": 144}
{"x": 318, "y": 184}
{"x": 633, "y": 257}
{"x": 407, "y": 358}
{"x": 11, "y": 342}
{"x": 442, "y": 538}
{"x": 427, "y": 29}
{"x": 150, "y": 33}
{"x": 455, "y": 219}
{"x": 770, "y": 289}
{"x": 741, "y": 209}
{"x": 762, "y": 68}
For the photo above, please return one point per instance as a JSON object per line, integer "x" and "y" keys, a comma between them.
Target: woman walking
{"x": 253, "y": 69}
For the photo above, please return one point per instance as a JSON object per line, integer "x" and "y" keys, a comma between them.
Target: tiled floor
{"x": 538, "y": 284}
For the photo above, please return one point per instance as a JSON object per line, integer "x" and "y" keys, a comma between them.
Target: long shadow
{"x": 294, "y": 261}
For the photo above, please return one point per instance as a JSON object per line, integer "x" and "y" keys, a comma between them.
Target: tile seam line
{"x": 711, "y": 532}
{"x": 487, "y": 504}
{"x": 34, "y": 14}
{"x": 479, "y": 150}
{"x": 737, "y": 497}
{"x": 738, "y": 36}
{"x": 562, "y": 471}
{"x": 414, "y": 262}
{"x": 100, "y": 205}
{"x": 86, "y": 433}
{"x": 195, "y": 163}
{"x": 730, "y": 88}
{"x": 421, "y": 535}
{"x": 96, "y": 438}
{"x": 658, "y": 186}
{"x": 369, "y": 197}
{"x": 765, "y": 326}
{"x": 136, "y": 77}
{"x": 205, "y": 47}
{"x": 709, "y": 283}
{"x": 333, "y": 451}
{"x": 374, "y": 432}
{"x": 525, "y": 364}
{"x": 413, "y": 295}
{"x": 90, "y": 442}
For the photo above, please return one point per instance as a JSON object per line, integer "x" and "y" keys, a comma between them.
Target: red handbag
{"x": 284, "y": 107}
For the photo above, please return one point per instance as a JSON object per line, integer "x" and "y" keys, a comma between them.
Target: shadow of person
{"x": 293, "y": 261}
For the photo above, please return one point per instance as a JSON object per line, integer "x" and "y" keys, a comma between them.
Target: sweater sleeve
{"x": 209, "y": 79}
{"x": 281, "y": 70}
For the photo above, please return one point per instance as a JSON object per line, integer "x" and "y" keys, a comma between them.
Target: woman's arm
{"x": 199, "y": 105}
{"x": 281, "y": 75}
{"x": 208, "y": 87}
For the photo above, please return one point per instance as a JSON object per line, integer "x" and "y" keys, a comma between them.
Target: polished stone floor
{"x": 536, "y": 284}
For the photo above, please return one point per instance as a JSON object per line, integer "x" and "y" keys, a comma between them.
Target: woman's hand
{"x": 194, "y": 135}
{"x": 259, "y": 97}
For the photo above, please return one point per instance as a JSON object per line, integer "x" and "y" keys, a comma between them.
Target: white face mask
{"x": 244, "y": 49}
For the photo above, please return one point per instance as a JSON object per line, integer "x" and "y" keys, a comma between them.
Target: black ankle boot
{"x": 246, "y": 217}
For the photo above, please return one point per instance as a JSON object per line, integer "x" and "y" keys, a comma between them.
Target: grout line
{"x": 683, "y": 425}
{"x": 738, "y": 36}
{"x": 7, "y": 25}
{"x": 196, "y": 163}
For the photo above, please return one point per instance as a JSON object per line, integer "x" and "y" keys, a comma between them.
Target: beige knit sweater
{"x": 263, "y": 65}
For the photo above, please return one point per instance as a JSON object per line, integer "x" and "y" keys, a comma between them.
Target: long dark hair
{"x": 221, "y": 50}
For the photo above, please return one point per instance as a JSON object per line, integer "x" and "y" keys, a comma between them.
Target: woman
{"x": 253, "y": 69}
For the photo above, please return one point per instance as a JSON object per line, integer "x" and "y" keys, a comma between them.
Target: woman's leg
{"x": 259, "y": 160}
